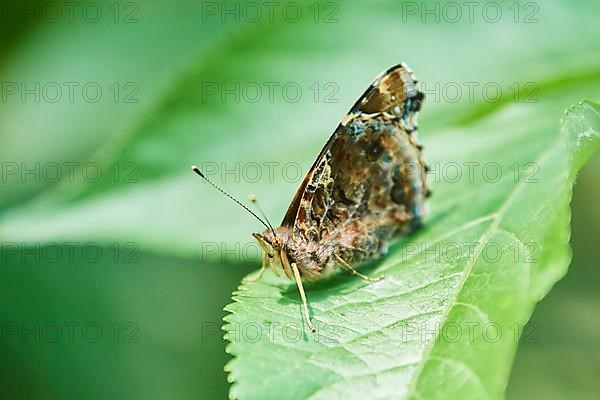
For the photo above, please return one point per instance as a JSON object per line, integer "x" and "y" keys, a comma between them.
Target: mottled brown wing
{"x": 371, "y": 169}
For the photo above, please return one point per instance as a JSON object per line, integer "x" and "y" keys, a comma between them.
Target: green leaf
{"x": 445, "y": 321}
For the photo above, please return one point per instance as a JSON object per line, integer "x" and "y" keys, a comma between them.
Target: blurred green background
{"x": 113, "y": 287}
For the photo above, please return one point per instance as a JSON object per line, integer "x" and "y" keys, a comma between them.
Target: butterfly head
{"x": 271, "y": 243}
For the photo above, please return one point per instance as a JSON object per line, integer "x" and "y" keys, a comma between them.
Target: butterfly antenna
{"x": 252, "y": 198}
{"x": 197, "y": 170}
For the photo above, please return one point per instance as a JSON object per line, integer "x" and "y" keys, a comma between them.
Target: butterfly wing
{"x": 371, "y": 170}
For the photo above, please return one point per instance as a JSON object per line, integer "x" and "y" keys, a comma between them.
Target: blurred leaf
{"x": 167, "y": 209}
{"x": 124, "y": 52}
{"x": 97, "y": 323}
{"x": 442, "y": 324}
{"x": 551, "y": 364}
{"x": 562, "y": 359}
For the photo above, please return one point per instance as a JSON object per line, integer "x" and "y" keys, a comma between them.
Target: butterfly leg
{"x": 272, "y": 266}
{"x": 355, "y": 272}
{"x": 261, "y": 272}
{"x": 294, "y": 267}
{"x": 302, "y": 295}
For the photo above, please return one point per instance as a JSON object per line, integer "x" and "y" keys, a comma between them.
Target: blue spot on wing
{"x": 376, "y": 126}
{"x": 357, "y": 128}
{"x": 416, "y": 211}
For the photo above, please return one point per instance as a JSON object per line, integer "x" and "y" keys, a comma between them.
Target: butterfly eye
{"x": 270, "y": 255}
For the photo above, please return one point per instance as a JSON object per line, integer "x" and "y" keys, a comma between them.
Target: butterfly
{"x": 367, "y": 186}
